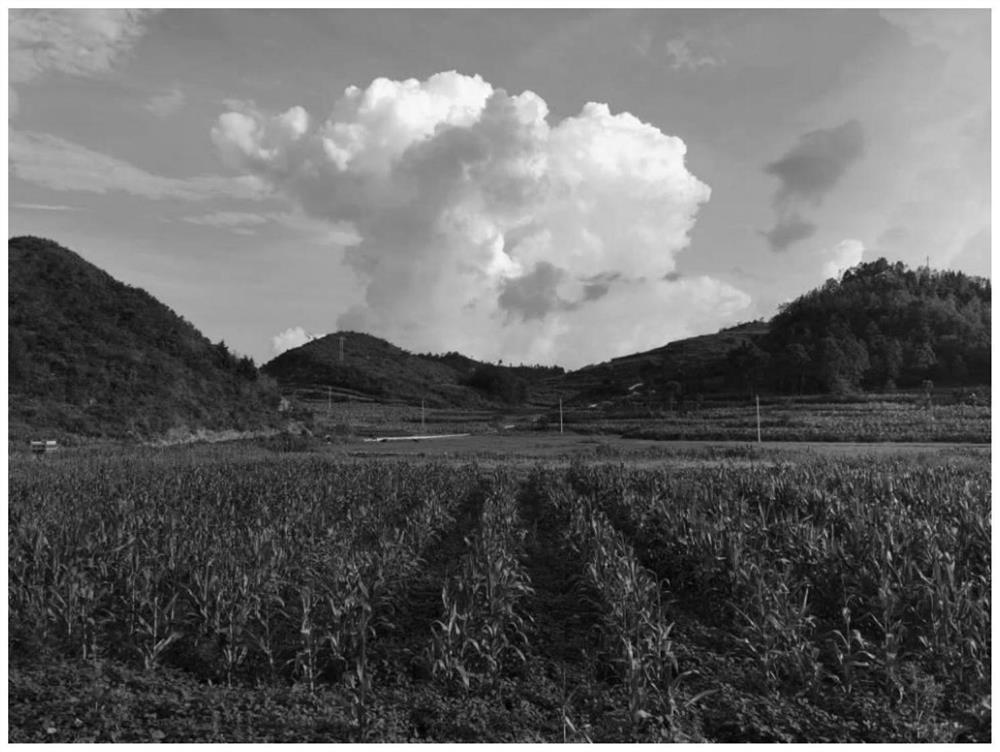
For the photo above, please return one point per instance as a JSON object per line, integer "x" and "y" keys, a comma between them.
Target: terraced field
{"x": 223, "y": 595}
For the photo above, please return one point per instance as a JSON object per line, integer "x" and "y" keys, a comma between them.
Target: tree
{"x": 833, "y": 366}
{"x": 747, "y": 365}
{"x": 499, "y": 382}
{"x": 797, "y": 362}
{"x": 673, "y": 390}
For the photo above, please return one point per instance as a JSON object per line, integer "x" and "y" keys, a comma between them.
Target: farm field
{"x": 871, "y": 418}
{"x": 611, "y": 591}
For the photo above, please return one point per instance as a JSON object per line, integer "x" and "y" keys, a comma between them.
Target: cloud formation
{"x": 166, "y": 104}
{"x": 806, "y": 174}
{"x": 687, "y": 53}
{"x": 842, "y": 256}
{"x": 76, "y": 42}
{"x": 291, "y": 338}
{"x": 43, "y": 207}
{"x": 81, "y": 42}
{"x": 482, "y": 227}
{"x": 59, "y": 164}
{"x": 247, "y": 223}
{"x": 242, "y": 223}
{"x": 789, "y": 228}
{"x": 943, "y": 176}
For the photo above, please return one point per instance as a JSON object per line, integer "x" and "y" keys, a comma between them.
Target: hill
{"x": 371, "y": 368}
{"x": 881, "y": 326}
{"x": 91, "y": 356}
{"x": 698, "y": 364}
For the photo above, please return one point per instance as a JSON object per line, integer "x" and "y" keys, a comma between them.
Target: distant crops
{"x": 861, "y": 422}
{"x": 839, "y": 600}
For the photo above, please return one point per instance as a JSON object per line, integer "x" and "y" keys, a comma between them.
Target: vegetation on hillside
{"x": 373, "y": 367}
{"x": 880, "y": 327}
{"x": 91, "y": 356}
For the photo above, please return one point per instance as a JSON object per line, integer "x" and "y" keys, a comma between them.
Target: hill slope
{"x": 375, "y": 369}
{"x": 89, "y": 355}
{"x": 371, "y": 367}
{"x": 698, "y": 363}
{"x": 880, "y": 326}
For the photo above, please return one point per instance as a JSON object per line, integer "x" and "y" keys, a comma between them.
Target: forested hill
{"x": 372, "y": 368}
{"x": 881, "y": 326}
{"x": 89, "y": 355}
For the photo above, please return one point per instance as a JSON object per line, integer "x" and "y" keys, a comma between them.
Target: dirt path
{"x": 408, "y": 632}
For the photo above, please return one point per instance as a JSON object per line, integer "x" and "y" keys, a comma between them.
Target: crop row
{"x": 227, "y": 570}
{"x": 636, "y": 625}
{"x": 861, "y": 573}
{"x": 485, "y": 624}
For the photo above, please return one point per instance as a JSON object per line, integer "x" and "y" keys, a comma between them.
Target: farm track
{"x": 566, "y": 608}
{"x": 403, "y": 637}
{"x": 567, "y": 611}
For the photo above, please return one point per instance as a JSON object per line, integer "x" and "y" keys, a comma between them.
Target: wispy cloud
{"x": 946, "y": 29}
{"x": 62, "y": 165}
{"x": 688, "y": 53}
{"x": 690, "y": 50}
{"x": 44, "y": 207}
{"x": 243, "y": 223}
{"x": 81, "y": 42}
{"x": 322, "y": 232}
{"x": 164, "y": 105}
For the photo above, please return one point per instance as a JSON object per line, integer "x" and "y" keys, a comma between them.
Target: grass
{"x": 248, "y": 594}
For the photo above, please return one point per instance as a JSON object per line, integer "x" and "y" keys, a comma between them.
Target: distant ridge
{"x": 372, "y": 368}
{"x": 91, "y": 356}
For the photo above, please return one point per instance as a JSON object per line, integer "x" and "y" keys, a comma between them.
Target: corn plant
{"x": 851, "y": 653}
{"x": 484, "y": 626}
{"x": 637, "y": 622}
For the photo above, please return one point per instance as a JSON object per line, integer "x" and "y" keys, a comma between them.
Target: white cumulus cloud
{"x": 485, "y": 228}
{"x": 842, "y": 256}
{"x": 291, "y": 338}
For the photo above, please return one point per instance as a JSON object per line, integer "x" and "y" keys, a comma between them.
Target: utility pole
{"x": 423, "y": 428}
{"x": 560, "y": 416}
{"x": 329, "y": 399}
{"x": 341, "y": 349}
{"x": 757, "y": 397}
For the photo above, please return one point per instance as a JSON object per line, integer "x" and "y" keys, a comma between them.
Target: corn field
{"x": 825, "y": 600}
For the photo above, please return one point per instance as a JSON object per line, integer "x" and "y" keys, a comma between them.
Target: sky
{"x": 532, "y": 186}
